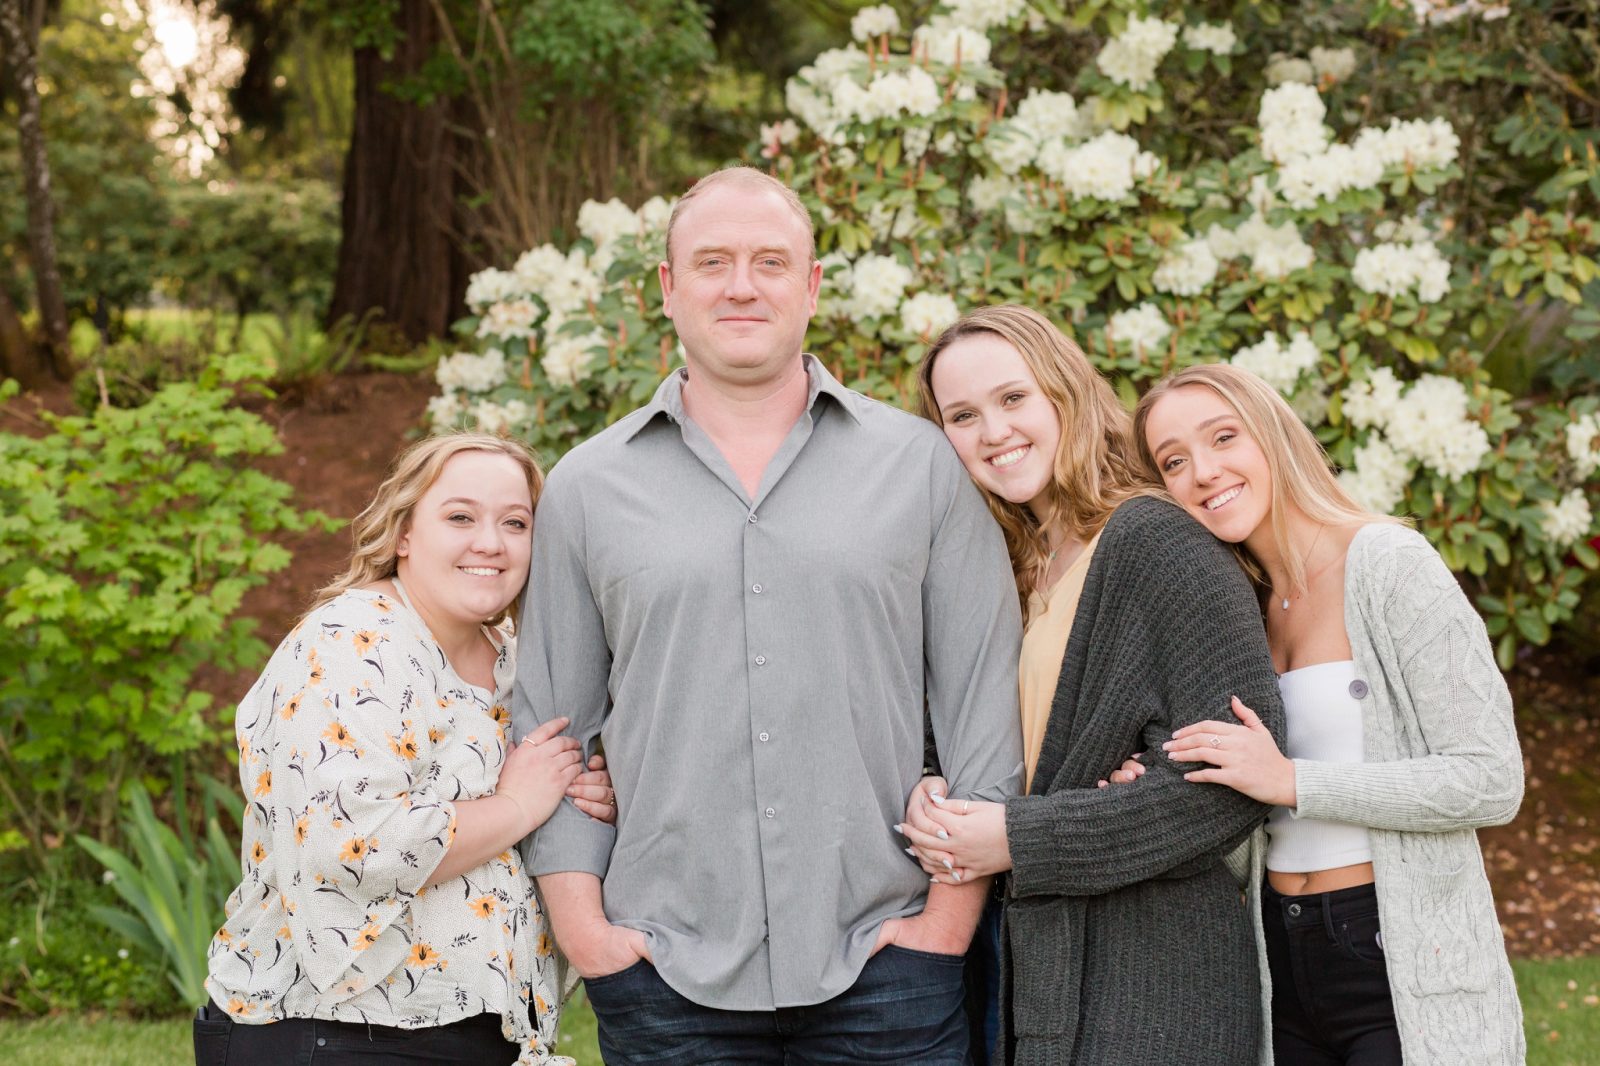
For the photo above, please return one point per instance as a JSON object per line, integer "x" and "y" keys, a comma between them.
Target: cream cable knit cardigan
{"x": 1442, "y": 759}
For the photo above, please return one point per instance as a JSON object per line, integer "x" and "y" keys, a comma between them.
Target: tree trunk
{"x": 19, "y": 42}
{"x": 17, "y": 356}
{"x": 398, "y": 250}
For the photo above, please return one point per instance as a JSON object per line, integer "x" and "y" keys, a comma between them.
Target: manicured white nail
{"x": 948, "y": 865}
{"x": 900, "y": 829}
{"x": 943, "y": 835}
{"x": 911, "y": 852}
{"x": 955, "y": 875}
{"x": 936, "y": 797}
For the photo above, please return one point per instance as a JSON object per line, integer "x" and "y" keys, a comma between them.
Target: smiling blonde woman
{"x": 382, "y": 908}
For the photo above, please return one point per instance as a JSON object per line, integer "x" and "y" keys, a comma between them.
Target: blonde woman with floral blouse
{"x": 383, "y": 914}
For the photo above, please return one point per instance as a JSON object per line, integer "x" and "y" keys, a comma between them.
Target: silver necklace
{"x": 1285, "y": 601}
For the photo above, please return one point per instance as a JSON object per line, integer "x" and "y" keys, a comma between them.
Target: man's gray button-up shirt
{"x": 760, "y": 686}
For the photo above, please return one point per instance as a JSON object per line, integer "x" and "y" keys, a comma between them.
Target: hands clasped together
{"x": 957, "y": 840}
{"x": 546, "y": 766}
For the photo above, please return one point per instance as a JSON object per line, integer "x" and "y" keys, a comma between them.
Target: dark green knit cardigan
{"x": 1126, "y": 939}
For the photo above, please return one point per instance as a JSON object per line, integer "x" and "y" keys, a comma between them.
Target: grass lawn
{"x": 1561, "y": 1000}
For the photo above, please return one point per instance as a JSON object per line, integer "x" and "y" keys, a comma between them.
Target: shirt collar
{"x": 668, "y": 399}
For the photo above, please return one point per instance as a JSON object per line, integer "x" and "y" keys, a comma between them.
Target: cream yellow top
{"x": 1044, "y": 645}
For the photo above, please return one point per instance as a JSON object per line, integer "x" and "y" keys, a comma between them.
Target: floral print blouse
{"x": 354, "y": 746}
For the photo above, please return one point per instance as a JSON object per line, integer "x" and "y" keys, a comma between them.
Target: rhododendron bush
{"x": 1385, "y": 209}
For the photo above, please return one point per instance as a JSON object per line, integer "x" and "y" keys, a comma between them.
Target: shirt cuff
{"x": 995, "y": 791}
{"x": 570, "y": 842}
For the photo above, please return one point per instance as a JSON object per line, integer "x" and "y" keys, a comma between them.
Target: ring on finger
{"x": 1215, "y": 741}
{"x": 966, "y": 805}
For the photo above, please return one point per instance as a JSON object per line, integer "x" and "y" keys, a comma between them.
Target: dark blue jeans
{"x": 905, "y": 1007}
{"x": 1331, "y": 1004}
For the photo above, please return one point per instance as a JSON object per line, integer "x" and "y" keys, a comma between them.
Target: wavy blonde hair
{"x": 375, "y": 534}
{"x": 1096, "y": 466}
{"x": 1302, "y": 476}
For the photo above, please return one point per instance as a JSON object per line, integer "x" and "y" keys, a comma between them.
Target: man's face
{"x": 741, "y": 286}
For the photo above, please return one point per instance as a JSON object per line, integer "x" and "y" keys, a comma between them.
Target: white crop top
{"x": 1325, "y": 725}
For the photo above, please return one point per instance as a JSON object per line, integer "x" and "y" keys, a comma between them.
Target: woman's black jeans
{"x": 1331, "y": 1004}
{"x": 219, "y": 1041}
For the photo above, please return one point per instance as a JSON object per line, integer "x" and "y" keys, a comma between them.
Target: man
{"x": 746, "y": 588}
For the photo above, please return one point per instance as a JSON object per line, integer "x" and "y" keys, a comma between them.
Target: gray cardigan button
{"x": 1358, "y": 689}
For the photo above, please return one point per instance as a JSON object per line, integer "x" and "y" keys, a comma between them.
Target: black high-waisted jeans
{"x": 1331, "y": 1004}
{"x": 219, "y": 1041}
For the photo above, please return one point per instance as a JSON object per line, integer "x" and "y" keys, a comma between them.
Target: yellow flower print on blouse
{"x": 357, "y": 730}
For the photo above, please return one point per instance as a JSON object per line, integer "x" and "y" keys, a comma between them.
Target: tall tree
{"x": 397, "y": 251}
{"x": 20, "y": 23}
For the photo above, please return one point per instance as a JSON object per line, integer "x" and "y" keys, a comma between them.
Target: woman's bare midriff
{"x": 1309, "y": 884}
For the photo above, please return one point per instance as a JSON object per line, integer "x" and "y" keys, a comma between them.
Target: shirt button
{"x": 763, "y": 737}
{"x": 771, "y": 813}
{"x": 322, "y": 1041}
{"x": 761, "y": 660}
{"x": 1358, "y": 689}
{"x": 752, "y": 518}
{"x": 756, "y": 589}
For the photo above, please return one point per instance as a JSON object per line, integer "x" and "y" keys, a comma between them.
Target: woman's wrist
{"x": 522, "y": 820}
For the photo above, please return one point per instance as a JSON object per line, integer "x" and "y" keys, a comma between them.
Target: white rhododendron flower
{"x": 1131, "y": 57}
{"x": 1306, "y": 179}
{"x": 494, "y": 417}
{"x": 1568, "y": 521}
{"x": 927, "y": 313}
{"x": 986, "y": 193}
{"x": 1215, "y": 37}
{"x": 1044, "y": 114}
{"x": 775, "y": 135}
{"x": 945, "y": 41}
{"x": 1440, "y": 12}
{"x": 1379, "y": 478}
{"x": 809, "y": 94}
{"x": 1406, "y": 230}
{"x": 1010, "y": 146}
{"x": 492, "y": 286}
{"x": 1279, "y": 365}
{"x": 1140, "y": 328}
{"x": 877, "y": 284}
{"x": 1396, "y": 269}
{"x": 874, "y": 21}
{"x": 1333, "y": 64}
{"x": 1583, "y": 444}
{"x": 1373, "y": 400}
{"x": 1311, "y": 402}
{"x": 1430, "y": 424}
{"x": 446, "y": 409}
{"x": 566, "y": 360}
{"x": 1105, "y": 168}
{"x": 1291, "y": 122}
{"x": 604, "y": 223}
{"x": 1187, "y": 269}
{"x": 1416, "y": 144}
{"x": 1274, "y": 252}
{"x": 1285, "y": 69}
{"x": 887, "y": 96}
{"x": 509, "y": 319}
{"x": 656, "y": 212}
{"x": 983, "y": 14}
{"x": 467, "y": 372}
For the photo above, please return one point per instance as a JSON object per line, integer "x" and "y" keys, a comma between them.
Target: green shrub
{"x": 127, "y": 539}
{"x": 254, "y": 246}
{"x": 1369, "y": 210}
{"x": 128, "y": 372}
{"x": 53, "y": 959}
{"x": 173, "y": 885}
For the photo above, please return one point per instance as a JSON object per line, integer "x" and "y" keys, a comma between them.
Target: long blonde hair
{"x": 1302, "y": 476}
{"x": 1096, "y": 467}
{"x": 375, "y": 534}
